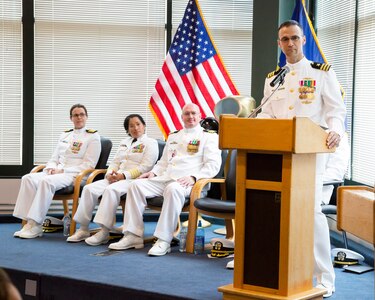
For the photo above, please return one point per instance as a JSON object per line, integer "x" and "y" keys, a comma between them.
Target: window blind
{"x": 108, "y": 55}
{"x": 10, "y": 82}
{"x": 103, "y": 54}
{"x": 364, "y": 104}
{"x": 335, "y": 32}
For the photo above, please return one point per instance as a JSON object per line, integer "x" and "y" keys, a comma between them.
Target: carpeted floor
{"x": 176, "y": 275}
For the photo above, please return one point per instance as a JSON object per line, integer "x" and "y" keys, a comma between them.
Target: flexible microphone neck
{"x": 253, "y": 114}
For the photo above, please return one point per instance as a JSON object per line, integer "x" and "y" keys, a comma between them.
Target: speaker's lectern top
{"x": 297, "y": 135}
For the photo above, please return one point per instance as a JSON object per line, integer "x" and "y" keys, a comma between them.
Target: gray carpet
{"x": 178, "y": 275}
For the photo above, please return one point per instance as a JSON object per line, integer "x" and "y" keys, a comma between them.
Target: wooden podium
{"x": 275, "y": 187}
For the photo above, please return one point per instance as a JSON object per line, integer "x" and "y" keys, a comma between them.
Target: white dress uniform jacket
{"x": 336, "y": 166}
{"x": 131, "y": 159}
{"x": 311, "y": 90}
{"x": 307, "y": 92}
{"x": 77, "y": 150}
{"x": 188, "y": 152}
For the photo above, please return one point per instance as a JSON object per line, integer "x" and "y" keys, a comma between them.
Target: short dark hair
{"x": 127, "y": 120}
{"x": 77, "y": 106}
{"x": 290, "y": 23}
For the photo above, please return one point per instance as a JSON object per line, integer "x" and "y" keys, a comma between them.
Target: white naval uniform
{"x": 336, "y": 166}
{"x": 324, "y": 106}
{"x": 188, "y": 152}
{"x": 77, "y": 150}
{"x": 132, "y": 159}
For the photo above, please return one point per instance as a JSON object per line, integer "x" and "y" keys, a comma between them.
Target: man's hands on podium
{"x": 333, "y": 139}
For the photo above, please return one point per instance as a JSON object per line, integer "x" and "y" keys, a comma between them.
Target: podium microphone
{"x": 279, "y": 80}
{"x": 280, "y": 76}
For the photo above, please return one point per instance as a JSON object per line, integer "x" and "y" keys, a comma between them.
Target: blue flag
{"x": 312, "y": 48}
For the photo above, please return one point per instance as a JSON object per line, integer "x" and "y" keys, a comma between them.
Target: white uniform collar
{"x": 141, "y": 138}
{"x": 77, "y": 131}
{"x": 195, "y": 129}
{"x": 303, "y": 62}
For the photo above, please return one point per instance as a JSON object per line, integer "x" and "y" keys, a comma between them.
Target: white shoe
{"x": 32, "y": 232}
{"x": 160, "y": 248}
{"x": 129, "y": 241}
{"x": 329, "y": 291}
{"x": 79, "y": 236}
{"x": 99, "y": 238}
{"x": 23, "y": 229}
{"x": 230, "y": 264}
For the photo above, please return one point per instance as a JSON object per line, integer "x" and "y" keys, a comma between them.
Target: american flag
{"x": 193, "y": 71}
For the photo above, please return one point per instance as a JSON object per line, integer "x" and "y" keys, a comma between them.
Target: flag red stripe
{"x": 190, "y": 90}
{"x": 206, "y": 94}
{"x": 173, "y": 85}
{"x": 226, "y": 76}
{"x": 158, "y": 113}
{"x": 211, "y": 74}
{"x": 167, "y": 103}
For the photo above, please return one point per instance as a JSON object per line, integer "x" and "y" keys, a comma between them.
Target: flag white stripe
{"x": 208, "y": 83}
{"x": 219, "y": 75}
{"x": 171, "y": 96}
{"x": 163, "y": 110}
{"x": 198, "y": 93}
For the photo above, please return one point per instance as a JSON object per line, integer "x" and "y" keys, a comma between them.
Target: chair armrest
{"x": 37, "y": 169}
{"x": 80, "y": 176}
{"x": 95, "y": 173}
{"x": 193, "y": 214}
{"x": 198, "y": 187}
{"x": 333, "y": 182}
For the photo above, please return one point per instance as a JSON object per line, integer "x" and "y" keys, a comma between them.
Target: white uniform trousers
{"x": 108, "y": 204}
{"x": 36, "y": 194}
{"x": 174, "y": 197}
{"x": 323, "y": 270}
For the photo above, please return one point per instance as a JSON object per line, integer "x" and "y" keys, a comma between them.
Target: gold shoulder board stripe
{"x": 91, "y": 130}
{"x": 320, "y": 66}
{"x": 68, "y": 130}
{"x": 273, "y": 73}
{"x": 209, "y": 131}
{"x": 174, "y": 132}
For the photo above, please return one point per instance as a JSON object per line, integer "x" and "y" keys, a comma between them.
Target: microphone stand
{"x": 265, "y": 100}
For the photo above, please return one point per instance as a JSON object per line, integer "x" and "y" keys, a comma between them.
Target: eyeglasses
{"x": 79, "y": 115}
{"x": 294, "y": 39}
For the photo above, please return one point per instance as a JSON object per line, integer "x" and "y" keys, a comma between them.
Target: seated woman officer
{"x": 136, "y": 155}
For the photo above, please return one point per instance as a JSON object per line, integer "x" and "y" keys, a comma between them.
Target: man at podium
{"x": 308, "y": 89}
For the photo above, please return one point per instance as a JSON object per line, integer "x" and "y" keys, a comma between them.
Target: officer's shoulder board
{"x": 320, "y": 66}
{"x": 174, "y": 132}
{"x": 209, "y": 131}
{"x": 68, "y": 130}
{"x": 91, "y": 130}
{"x": 273, "y": 73}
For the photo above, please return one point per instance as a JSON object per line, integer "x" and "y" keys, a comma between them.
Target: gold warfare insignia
{"x": 76, "y": 146}
{"x": 307, "y": 90}
{"x": 193, "y": 146}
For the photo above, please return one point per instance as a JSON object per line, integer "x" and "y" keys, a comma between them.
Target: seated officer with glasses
{"x": 310, "y": 90}
{"x": 77, "y": 149}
